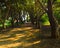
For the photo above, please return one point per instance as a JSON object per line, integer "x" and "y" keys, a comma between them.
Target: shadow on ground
{"x": 27, "y": 37}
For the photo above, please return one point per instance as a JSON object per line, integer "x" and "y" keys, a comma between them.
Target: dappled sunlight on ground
{"x": 19, "y": 29}
{"x": 11, "y": 45}
{"x": 3, "y": 36}
{"x": 27, "y": 37}
{"x": 18, "y": 37}
{"x": 29, "y": 44}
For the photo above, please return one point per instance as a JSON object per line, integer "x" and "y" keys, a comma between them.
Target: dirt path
{"x": 18, "y": 38}
{"x": 27, "y": 37}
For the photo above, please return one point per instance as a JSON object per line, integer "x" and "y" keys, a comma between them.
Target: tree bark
{"x": 20, "y": 18}
{"x": 37, "y": 25}
{"x": 32, "y": 19}
{"x": 53, "y": 21}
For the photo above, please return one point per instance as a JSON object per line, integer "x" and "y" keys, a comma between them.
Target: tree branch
{"x": 41, "y": 5}
{"x": 42, "y": 14}
{"x": 53, "y": 1}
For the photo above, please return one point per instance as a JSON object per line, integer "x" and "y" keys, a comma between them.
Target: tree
{"x": 52, "y": 19}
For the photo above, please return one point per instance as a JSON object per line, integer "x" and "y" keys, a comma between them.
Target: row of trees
{"x": 35, "y": 9}
{"x": 47, "y": 7}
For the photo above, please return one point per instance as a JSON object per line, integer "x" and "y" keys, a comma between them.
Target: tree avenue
{"x": 14, "y": 13}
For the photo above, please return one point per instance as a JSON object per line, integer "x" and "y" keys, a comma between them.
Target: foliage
{"x": 45, "y": 20}
{"x": 13, "y": 7}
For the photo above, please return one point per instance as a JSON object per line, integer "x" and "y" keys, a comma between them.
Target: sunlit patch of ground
{"x": 11, "y": 45}
{"x": 18, "y": 37}
{"x": 27, "y": 37}
{"x": 29, "y": 44}
{"x": 23, "y": 28}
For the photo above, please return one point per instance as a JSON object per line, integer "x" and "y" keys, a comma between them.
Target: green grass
{"x": 46, "y": 23}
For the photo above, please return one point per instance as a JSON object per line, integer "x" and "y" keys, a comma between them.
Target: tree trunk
{"x": 32, "y": 19}
{"x": 37, "y": 22}
{"x": 17, "y": 23}
{"x": 53, "y": 21}
{"x": 20, "y": 18}
{"x": 12, "y": 22}
{"x": 3, "y": 25}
